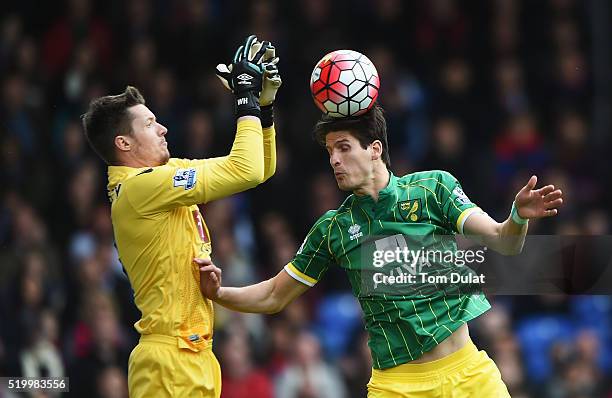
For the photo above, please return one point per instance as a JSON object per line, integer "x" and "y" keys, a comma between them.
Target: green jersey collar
{"x": 388, "y": 193}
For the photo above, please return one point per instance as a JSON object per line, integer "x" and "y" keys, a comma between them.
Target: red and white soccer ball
{"x": 344, "y": 83}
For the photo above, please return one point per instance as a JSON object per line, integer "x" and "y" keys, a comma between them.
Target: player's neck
{"x": 379, "y": 182}
{"x": 134, "y": 162}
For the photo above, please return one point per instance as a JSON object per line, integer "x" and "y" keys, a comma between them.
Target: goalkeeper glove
{"x": 244, "y": 78}
{"x": 272, "y": 80}
{"x": 271, "y": 83}
{"x": 257, "y": 54}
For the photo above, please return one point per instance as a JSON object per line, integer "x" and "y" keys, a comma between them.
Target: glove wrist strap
{"x": 247, "y": 104}
{"x": 267, "y": 116}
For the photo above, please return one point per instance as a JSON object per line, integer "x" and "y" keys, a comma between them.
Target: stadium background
{"x": 491, "y": 91}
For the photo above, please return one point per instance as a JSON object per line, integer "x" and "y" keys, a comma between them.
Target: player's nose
{"x": 334, "y": 159}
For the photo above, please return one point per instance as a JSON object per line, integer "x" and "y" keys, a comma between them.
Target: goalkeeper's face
{"x": 148, "y": 138}
{"x": 353, "y": 165}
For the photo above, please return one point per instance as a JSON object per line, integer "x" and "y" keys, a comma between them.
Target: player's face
{"x": 353, "y": 166}
{"x": 149, "y": 141}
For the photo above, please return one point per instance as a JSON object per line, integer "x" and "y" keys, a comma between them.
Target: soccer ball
{"x": 344, "y": 83}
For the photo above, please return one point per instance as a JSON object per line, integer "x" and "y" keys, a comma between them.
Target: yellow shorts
{"x": 159, "y": 368}
{"x": 464, "y": 373}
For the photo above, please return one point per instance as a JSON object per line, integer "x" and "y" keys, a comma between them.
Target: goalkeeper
{"x": 158, "y": 227}
{"x": 420, "y": 343}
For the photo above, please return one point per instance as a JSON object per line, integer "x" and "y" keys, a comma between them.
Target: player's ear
{"x": 377, "y": 149}
{"x": 123, "y": 143}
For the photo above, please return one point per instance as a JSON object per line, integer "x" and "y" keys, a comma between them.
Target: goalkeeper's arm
{"x": 261, "y": 55}
{"x": 244, "y": 167}
{"x": 271, "y": 83}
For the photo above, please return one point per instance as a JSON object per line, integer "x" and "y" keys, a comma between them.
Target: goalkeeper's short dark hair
{"x": 366, "y": 128}
{"x": 108, "y": 117}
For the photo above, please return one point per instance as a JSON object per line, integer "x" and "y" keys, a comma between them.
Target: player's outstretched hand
{"x": 252, "y": 55}
{"x": 263, "y": 55}
{"x": 210, "y": 278}
{"x": 538, "y": 203}
{"x": 244, "y": 76}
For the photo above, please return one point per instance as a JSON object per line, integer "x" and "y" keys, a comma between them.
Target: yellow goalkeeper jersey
{"x": 159, "y": 229}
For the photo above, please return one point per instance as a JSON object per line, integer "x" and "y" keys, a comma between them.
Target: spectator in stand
{"x": 99, "y": 342}
{"x": 308, "y": 375}
{"x": 79, "y": 25}
{"x": 40, "y": 356}
{"x": 520, "y": 147}
{"x": 356, "y": 366}
{"x": 241, "y": 378}
{"x": 112, "y": 383}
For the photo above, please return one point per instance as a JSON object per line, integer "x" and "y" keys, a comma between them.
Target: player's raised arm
{"x": 260, "y": 55}
{"x": 252, "y": 159}
{"x": 267, "y": 297}
{"x": 508, "y": 237}
{"x": 243, "y": 168}
{"x": 271, "y": 83}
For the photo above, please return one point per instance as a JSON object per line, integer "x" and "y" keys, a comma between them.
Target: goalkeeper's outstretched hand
{"x": 254, "y": 56}
{"x": 244, "y": 78}
{"x": 272, "y": 80}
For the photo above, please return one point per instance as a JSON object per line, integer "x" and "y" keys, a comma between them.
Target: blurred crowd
{"x": 492, "y": 91}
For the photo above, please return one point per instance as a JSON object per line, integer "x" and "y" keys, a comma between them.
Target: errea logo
{"x": 354, "y": 232}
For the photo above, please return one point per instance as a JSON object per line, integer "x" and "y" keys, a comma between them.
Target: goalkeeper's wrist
{"x": 267, "y": 116}
{"x": 516, "y": 217}
{"x": 247, "y": 104}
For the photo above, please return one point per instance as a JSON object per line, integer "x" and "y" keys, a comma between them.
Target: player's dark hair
{"x": 366, "y": 128}
{"x": 108, "y": 117}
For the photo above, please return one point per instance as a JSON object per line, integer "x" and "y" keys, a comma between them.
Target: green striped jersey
{"x": 419, "y": 210}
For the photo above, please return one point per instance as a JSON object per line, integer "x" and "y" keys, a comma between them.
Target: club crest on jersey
{"x": 460, "y": 196}
{"x": 410, "y": 210}
{"x": 355, "y": 232}
{"x": 185, "y": 178}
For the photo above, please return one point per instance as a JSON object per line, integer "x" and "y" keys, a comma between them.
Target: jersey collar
{"x": 117, "y": 175}
{"x": 388, "y": 193}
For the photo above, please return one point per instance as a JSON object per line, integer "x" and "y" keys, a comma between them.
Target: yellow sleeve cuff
{"x": 464, "y": 216}
{"x": 300, "y": 276}
{"x": 249, "y": 124}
